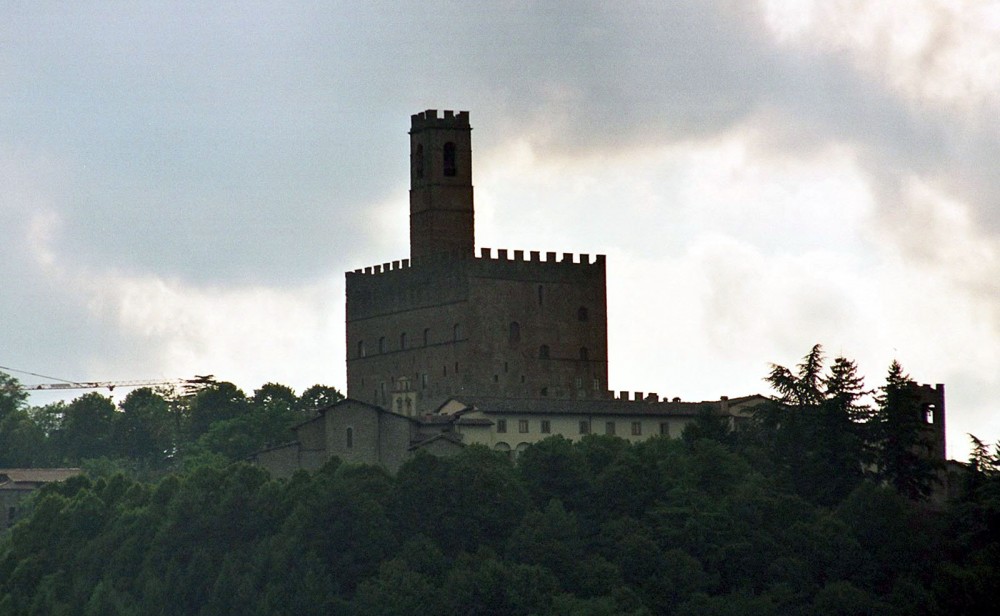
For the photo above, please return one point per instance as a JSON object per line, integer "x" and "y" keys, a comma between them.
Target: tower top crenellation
{"x": 430, "y": 119}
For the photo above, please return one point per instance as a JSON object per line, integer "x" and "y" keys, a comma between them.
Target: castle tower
{"x": 441, "y": 212}
{"x": 510, "y": 324}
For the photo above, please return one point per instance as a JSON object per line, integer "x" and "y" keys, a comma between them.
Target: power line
{"x": 42, "y": 376}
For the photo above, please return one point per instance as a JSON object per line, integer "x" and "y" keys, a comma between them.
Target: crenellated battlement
{"x": 430, "y": 119}
{"x": 485, "y": 254}
{"x": 535, "y": 256}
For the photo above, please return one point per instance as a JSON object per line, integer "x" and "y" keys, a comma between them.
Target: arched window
{"x": 581, "y": 313}
{"x": 427, "y": 336}
{"x": 418, "y": 162}
{"x": 381, "y": 344}
{"x": 515, "y": 332}
{"x": 402, "y": 341}
{"x": 456, "y": 332}
{"x": 350, "y": 438}
{"x": 584, "y": 355}
{"x": 450, "y": 166}
{"x": 543, "y": 352}
{"x": 361, "y": 348}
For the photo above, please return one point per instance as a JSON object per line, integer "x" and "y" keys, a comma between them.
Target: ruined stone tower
{"x": 447, "y": 322}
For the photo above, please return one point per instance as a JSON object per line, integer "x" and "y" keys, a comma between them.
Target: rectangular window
{"x": 636, "y": 428}
{"x": 609, "y": 428}
{"x": 546, "y": 426}
{"x": 522, "y": 426}
{"x": 584, "y": 427}
{"x": 664, "y": 428}
{"x": 501, "y": 425}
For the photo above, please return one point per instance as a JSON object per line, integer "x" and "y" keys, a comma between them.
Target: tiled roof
{"x": 9, "y": 476}
{"x": 491, "y": 405}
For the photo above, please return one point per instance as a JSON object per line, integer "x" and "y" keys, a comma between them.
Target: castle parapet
{"x": 535, "y": 256}
{"x": 429, "y": 118}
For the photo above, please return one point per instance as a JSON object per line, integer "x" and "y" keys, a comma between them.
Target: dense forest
{"x": 815, "y": 508}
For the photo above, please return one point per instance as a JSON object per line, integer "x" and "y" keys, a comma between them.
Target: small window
{"x": 450, "y": 164}
{"x": 423, "y": 381}
{"x": 361, "y": 348}
{"x": 402, "y": 341}
{"x": 381, "y": 344}
{"x": 664, "y": 428}
{"x": 636, "y": 428}
{"x": 597, "y": 384}
{"x": 609, "y": 428}
{"x": 496, "y": 378}
{"x": 505, "y": 367}
{"x": 581, "y": 313}
{"x": 515, "y": 332}
{"x": 350, "y": 438}
{"x": 456, "y": 332}
{"x": 501, "y": 425}
{"x": 543, "y": 352}
{"x": 456, "y": 367}
{"x": 522, "y": 426}
{"x": 427, "y": 336}
{"x": 546, "y": 426}
{"x": 399, "y": 405}
{"x": 541, "y": 296}
{"x": 522, "y": 378}
{"x": 584, "y": 427}
{"x": 584, "y": 354}
{"x": 578, "y": 382}
{"x": 544, "y": 391}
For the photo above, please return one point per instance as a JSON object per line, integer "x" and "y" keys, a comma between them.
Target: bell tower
{"x": 441, "y": 212}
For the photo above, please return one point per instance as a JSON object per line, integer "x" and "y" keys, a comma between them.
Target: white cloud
{"x": 942, "y": 51}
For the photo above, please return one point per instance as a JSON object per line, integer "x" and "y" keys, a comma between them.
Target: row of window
{"x": 404, "y": 341}
{"x": 545, "y": 427}
{"x": 544, "y": 352}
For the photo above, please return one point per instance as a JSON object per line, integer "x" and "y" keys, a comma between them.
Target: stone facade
{"x": 357, "y": 433}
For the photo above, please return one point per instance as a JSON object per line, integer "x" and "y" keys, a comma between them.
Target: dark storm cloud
{"x": 244, "y": 143}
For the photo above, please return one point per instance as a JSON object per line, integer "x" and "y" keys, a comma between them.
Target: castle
{"x": 446, "y": 322}
{"x": 449, "y": 348}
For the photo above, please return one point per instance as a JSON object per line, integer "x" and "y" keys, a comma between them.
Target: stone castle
{"x": 447, "y": 322}
{"x": 449, "y": 348}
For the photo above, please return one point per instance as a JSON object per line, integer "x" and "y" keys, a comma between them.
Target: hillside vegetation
{"x": 799, "y": 513}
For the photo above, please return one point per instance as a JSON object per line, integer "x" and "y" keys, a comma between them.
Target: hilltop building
{"x": 16, "y": 484}
{"x": 448, "y": 348}
{"x": 447, "y": 322}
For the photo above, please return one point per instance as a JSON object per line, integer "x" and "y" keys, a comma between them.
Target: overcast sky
{"x": 183, "y": 185}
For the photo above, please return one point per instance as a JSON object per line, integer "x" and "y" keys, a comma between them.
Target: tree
{"x": 218, "y": 401}
{"x": 87, "y": 428}
{"x": 12, "y": 396}
{"x": 901, "y": 444}
{"x": 813, "y": 428}
{"x": 145, "y": 428}
{"x": 318, "y": 397}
